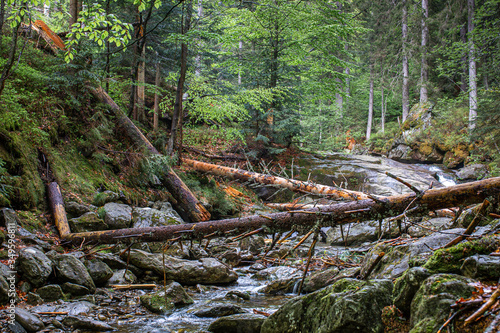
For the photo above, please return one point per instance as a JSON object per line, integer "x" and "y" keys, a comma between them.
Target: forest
{"x": 224, "y": 166}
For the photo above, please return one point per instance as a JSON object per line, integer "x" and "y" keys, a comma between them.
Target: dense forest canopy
{"x": 280, "y": 72}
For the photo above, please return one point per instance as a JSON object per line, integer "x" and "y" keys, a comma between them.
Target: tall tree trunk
{"x": 382, "y": 118}
{"x": 240, "y": 49}
{"x": 472, "y": 68}
{"x": 464, "y": 64}
{"x": 178, "y": 115}
{"x": 424, "y": 70}
{"x": 7, "y": 70}
{"x": 2, "y": 18}
{"x": 108, "y": 49}
{"x": 197, "y": 68}
{"x": 73, "y": 12}
{"x": 370, "y": 110}
{"x": 141, "y": 89}
{"x": 157, "y": 95}
{"x": 406, "y": 74}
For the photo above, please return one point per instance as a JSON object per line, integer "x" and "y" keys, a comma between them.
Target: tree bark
{"x": 463, "y": 194}
{"x": 472, "y": 67}
{"x": 294, "y": 185}
{"x": 157, "y": 95}
{"x": 424, "y": 70}
{"x": 73, "y": 12}
{"x": 57, "y": 206}
{"x": 382, "y": 117}
{"x": 406, "y": 74}
{"x": 370, "y": 111}
{"x": 187, "y": 205}
{"x": 141, "y": 89}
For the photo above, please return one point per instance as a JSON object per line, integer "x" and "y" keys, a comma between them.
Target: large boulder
{"x": 238, "y": 323}
{"x": 51, "y": 293}
{"x": 150, "y": 217}
{"x": 75, "y": 209}
{"x": 166, "y": 300}
{"x": 431, "y": 305}
{"x": 349, "y": 305}
{"x": 481, "y": 267}
{"x": 99, "y": 271}
{"x": 117, "y": 216}
{"x": 191, "y": 272}
{"x": 89, "y": 221}
{"x": 473, "y": 172}
{"x": 320, "y": 279}
{"x": 9, "y": 218}
{"x": 28, "y": 320}
{"x": 69, "y": 269}
{"x": 86, "y": 324}
{"x": 407, "y": 286}
{"x": 122, "y": 277}
{"x": 34, "y": 265}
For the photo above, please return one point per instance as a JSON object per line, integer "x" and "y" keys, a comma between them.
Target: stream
{"x": 360, "y": 173}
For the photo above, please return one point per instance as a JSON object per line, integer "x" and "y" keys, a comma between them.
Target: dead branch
{"x": 489, "y": 303}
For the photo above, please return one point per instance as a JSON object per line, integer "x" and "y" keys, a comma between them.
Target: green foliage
{"x": 154, "y": 167}
{"x": 5, "y": 189}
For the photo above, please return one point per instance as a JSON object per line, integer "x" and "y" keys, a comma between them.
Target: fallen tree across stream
{"x": 292, "y": 184}
{"x": 187, "y": 205}
{"x": 336, "y": 214}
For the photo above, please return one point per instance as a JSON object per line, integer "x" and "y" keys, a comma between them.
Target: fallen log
{"x": 292, "y": 184}
{"x": 337, "y": 214}
{"x": 56, "y": 204}
{"x": 187, "y": 205}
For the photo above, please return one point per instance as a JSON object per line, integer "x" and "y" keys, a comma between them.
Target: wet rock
{"x": 103, "y": 198}
{"x": 431, "y": 305}
{"x": 29, "y": 238}
{"x": 8, "y": 218}
{"x": 254, "y": 244}
{"x": 75, "y": 209}
{"x": 239, "y": 323}
{"x": 72, "y": 308}
{"x": 275, "y": 273}
{"x": 70, "y": 269}
{"x": 407, "y": 286}
{"x": 114, "y": 262}
{"x": 320, "y": 279}
{"x": 51, "y": 292}
{"x": 75, "y": 289}
{"x": 482, "y": 267}
{"x": 283, "y": 285}
{"x": 120, "y": 277}
{"x": 150, "y": 217}
{"x": 468, "y": 215}
{"x": 238, "y": 295}
{"x": 191, "y": 272}
{"x": 4, "y": 270}
{"x": 87, "y": 222}
{"x": 29, "y": 321}
{"x": 473, "y": 172}
{"x": 117, "y": 216}
{"x": 219, "y": 311}
{"x": 80, "y": 322}
{"x": 34, "y": 265}
{"x": 231, "y": 257}
{"x": 348, "y": 305}
{"x": 34, "y": 299}
{"x": 4, "y": 291}
{"x": 99, "y": 271}
{"x": 16, "y": 328}
{"x": 166, "y": 300}
{"x": 397, "y": 259}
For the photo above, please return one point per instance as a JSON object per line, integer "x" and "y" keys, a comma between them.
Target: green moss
{"x": 450, "y": 260}
{"x": 31, "y": 221}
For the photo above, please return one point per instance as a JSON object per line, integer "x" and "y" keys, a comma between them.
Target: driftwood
{"x": 187, "y": 205}
{"x": 294, "y": 185}
{"x": 337, "y": 214}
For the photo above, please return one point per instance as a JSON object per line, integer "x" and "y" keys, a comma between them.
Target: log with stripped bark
{"x": 336, "y": 214}
{"x": 186, "y": 203}
{"x": 292, "y": 184}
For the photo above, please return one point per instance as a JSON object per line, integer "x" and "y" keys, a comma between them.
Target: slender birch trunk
{"x": 406, "y": 74}
{"x": 424, "y": 70}
{"x": 472, "y": 68}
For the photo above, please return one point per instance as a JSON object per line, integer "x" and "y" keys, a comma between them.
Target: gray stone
{"x": 75, "y": 209}
{"x": 5, "y": 271}
{"x": 70, "y": 269}
{"x": 115, "y": 262}
{"x": 99, "y": 271}
{"x": 482, "y": 267}
{"x": 349, "y": 305}
{"x": 431, "y": 305}
{"x": 87, "y": 222}
{"x": 397, "y": 258}
{"x": 150, "y": 217}
{"x": 4, "y": 291}
{"x": 231, "y": 257}
{"x": 80, "y": 322}
{"x": 8, "y": 218}
{"x": 238, "y": 295}
{"x": 119, "y": 277}
{"x": 407, "y": 286}
{"x": 71, "y": 308}
{"x": 102, "y": 198}
{"x": 75, "y": 289}
{"x": 320, "y": 279}
{"x": 254, "y": 244}
{"x": 238, "y": 323}
{"x": 191, "y": 272}
{"x": 28, "y": 320}
{"x": 34, "y": 299}
{"x": 16, "y": 328}
{"x": 51, "y": 292}
{"x": 473, "y": 172}
{"x": 34, "y": 265}
{"x": 117, "y": 216}
{"x": 218, "y": 311}
{"x": 275, "y": 273}
{"x": 166, "y": 300}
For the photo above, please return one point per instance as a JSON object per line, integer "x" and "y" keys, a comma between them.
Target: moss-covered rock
{"x": 349, "y": 305}
{"x": 166, "y": 300}
{"x": 481, "y": 267}
{"x": 239, "y": 323}
{"x": 450, "y": 260}
{"x": 87, "y": 222}
{"x": 51, "y": 292}
{"x": 431, "y": 304}
{"x": 407, "y": 286}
